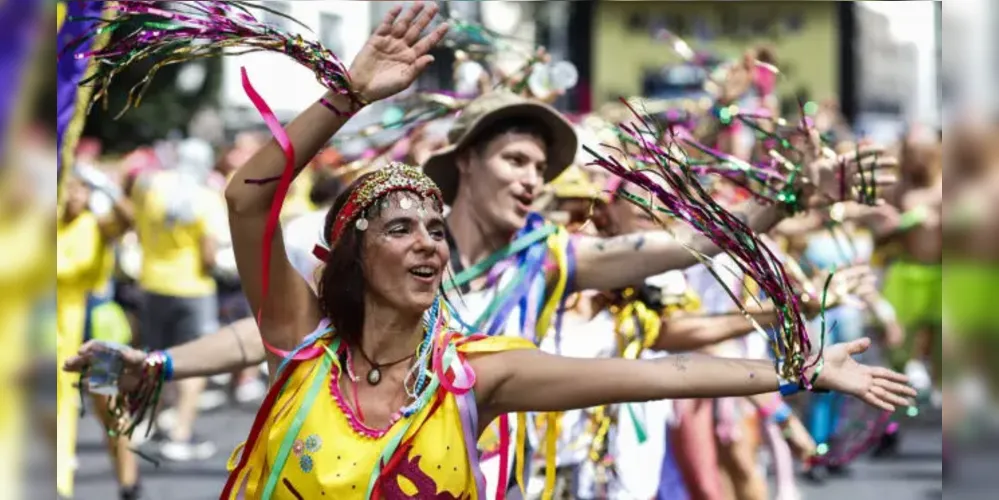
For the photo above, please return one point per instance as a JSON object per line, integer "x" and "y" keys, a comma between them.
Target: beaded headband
{"x": 393, "y": 178}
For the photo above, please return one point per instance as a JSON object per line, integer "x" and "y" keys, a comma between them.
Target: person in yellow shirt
{"x": 26, "y": 246}
{"x": 84, "y": 265}
{"x": 177, "y": 218}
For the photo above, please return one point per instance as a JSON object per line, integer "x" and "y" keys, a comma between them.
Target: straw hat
{"x": 486, "y": 110}
{"x": 574, "y": 183}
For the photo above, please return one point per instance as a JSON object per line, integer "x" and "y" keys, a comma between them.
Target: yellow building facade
{"x": 805, "y": 36}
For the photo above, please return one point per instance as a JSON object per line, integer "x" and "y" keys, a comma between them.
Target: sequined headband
{"x": 393, "y": 178}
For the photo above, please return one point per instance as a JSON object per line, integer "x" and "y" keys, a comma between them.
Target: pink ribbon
{"x": 454, "y": 387}
{"x": 273, "y": 218}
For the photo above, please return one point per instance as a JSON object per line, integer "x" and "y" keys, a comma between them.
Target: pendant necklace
{"x": 375, "y": 374}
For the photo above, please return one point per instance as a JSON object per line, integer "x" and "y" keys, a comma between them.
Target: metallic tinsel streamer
{"x": 176, "y": 32}
{"x": 685, "y": 198}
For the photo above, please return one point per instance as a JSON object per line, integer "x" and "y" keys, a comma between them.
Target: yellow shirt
{"x": 26, "y": 246}
{"x": 82, "y": 261}
{"x": 310, "y": 446}
{"x": 171, "y": 251}
{"x": 298, "y": 202}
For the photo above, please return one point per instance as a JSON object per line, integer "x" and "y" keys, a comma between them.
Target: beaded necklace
{"x": 434, "y": 323}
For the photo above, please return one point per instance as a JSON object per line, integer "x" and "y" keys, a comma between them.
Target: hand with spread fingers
{"x": 875, "y": 385}
{"x": 846, "y": 284}
{"x": 395, "y": 55}
{"x": 828, "y": 178}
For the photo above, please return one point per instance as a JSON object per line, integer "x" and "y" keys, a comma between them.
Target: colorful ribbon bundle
{"x": 177, "y": 32}
{"x": 683, "y": 197}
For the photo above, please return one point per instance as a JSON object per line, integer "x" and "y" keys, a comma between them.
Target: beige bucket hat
{"x": 491, "y": 108}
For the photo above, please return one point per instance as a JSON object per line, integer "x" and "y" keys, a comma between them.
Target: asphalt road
{"x": 916, "y": 473}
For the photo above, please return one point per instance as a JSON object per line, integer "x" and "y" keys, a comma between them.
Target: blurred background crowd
{"x": 863, "y": 71}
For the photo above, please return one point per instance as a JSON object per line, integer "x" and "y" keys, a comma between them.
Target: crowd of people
{"x": 498, "y": 316}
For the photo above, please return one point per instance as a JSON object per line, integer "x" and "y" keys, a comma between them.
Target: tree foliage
{"x": 164, "y": 108}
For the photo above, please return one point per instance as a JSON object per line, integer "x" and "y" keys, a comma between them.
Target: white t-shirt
{"x": 714, "y": 298}
{"x": 637, "y": 463}
{"x": 581, "y": 338}
{"x": 301, "y": 235}
{"x": 469, "y": 306}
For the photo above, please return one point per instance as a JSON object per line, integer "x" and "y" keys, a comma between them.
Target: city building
{"x": 343, "y": 27}
{"x": 804, "y": 35}
{"x": 970, "y": 62}
{"x": 288, "y": 87}
{"x": 886, "y": 67}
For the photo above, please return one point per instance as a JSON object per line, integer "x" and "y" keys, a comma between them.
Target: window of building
{"x": 331, "y": 32}
{"x": 271, "y": 17}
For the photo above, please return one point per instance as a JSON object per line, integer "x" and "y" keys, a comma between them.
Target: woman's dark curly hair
{"x": 341, "y": 285}
{"x": 341, "y": 282}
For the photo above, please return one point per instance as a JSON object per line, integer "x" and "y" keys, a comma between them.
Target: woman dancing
{"x": 407, "y": 395}
{"x": 403, "y": 404}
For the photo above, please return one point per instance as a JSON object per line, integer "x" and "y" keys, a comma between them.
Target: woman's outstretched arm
{"x": 531, "y": 380}
{"x": 388, "y": 63}
{"x": 234, "y": 347}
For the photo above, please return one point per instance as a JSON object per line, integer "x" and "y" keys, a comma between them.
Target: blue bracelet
{"x": 782, "y": 414}
{"x": 786, "y": 387}
{"x": 167, "y": 366}
{"x": 789, "y": 388}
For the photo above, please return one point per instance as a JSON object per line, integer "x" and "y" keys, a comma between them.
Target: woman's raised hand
{"x": 395, "y": 55}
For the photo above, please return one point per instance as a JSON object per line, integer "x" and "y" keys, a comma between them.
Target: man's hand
{"x": 846, "y": 284}
{"x": 881, "y": 218}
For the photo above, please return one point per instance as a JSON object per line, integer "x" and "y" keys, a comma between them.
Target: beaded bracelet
{"x": 791, "y": 387}
{"x": 815, "y": 377}
{"x": 356, "y": 99}
{"x": 132, "y": 407}
{"x": 784, "y": 386}
{"x": 166, "y": 360}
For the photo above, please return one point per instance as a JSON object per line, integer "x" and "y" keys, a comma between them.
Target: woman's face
{"x": 405, "y": 251}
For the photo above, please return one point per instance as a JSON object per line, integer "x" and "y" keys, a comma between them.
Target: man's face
{"x": 503, "y": 178}
{"x": 77, "y": 196}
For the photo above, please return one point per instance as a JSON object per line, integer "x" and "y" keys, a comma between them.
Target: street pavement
{"x": 915, "y": 474}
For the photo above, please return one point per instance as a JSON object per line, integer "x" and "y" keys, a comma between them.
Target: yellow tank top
{"x": 306, "y": 443}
